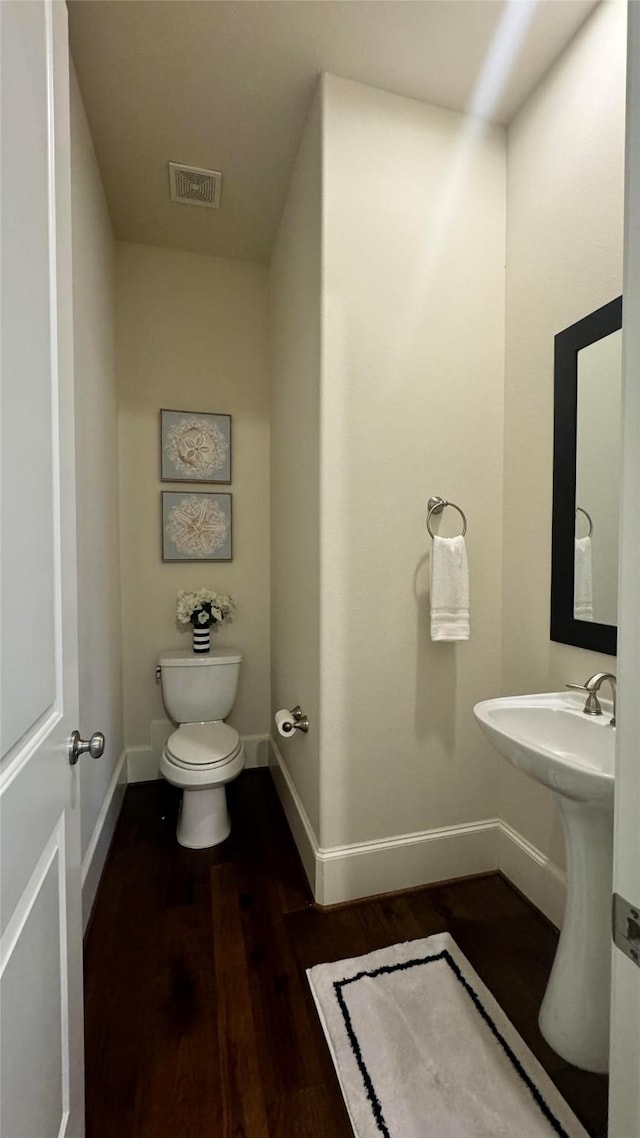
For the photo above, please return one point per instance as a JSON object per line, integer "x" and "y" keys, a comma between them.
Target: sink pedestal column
{"x": 574, "y": 1017}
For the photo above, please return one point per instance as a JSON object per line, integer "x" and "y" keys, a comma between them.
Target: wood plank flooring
{"x": 199, "y": 1022}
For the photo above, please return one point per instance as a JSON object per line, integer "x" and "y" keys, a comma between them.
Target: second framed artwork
{"x": 196, "y": 526}
{"x": 195, "y": 446}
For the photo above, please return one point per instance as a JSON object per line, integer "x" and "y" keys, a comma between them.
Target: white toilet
{"x": 204, "y": 752}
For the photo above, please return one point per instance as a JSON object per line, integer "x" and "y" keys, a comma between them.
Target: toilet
{"x": 204, "y": 753}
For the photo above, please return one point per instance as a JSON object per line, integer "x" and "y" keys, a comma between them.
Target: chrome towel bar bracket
{"x": 436, "y": 506}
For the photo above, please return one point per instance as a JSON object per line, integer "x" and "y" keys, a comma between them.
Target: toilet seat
{"x": 203, "y": 746}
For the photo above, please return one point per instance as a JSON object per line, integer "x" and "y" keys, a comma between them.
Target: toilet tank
{"x": 198, "y": 689}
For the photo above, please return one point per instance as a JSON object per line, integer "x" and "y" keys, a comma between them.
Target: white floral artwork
{"x": 195, "y": 447}
{"x": 196, "y": 527}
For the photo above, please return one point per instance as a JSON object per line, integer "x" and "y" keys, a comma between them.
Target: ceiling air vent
{"x": 192, "y": 186}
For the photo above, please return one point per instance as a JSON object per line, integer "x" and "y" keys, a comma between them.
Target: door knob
{"x": 93, "y": 746}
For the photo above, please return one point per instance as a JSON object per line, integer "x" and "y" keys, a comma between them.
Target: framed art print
{"x": 195, "y": 446}
{"x": 196, "y": 526}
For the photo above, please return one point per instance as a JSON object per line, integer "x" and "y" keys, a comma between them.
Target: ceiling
{"x": 227, "y": 84}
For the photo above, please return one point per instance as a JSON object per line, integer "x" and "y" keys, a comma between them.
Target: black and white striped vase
{"x": 201, "y": 639}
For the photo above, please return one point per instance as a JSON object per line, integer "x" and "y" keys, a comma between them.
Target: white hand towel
{"x": 449, "y": 589}
{"x": 583, "y": 580}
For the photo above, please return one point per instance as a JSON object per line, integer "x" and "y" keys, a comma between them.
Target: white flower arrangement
{"x": 204, "y": 608}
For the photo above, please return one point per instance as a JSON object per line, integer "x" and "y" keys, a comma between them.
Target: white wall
{"x": 100, "y": 662}
{"x": 191, "y": 336}
{"x": 412, "y": 405}
{"x": 295, "y": 308}
{"x": 564, "y": 259}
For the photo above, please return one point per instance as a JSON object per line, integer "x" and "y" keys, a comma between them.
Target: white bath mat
{"x": 422, "y": 1049}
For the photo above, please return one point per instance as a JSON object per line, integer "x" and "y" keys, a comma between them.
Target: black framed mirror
{"x": 586, "y": 481}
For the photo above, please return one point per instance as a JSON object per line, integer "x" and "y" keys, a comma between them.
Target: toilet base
{"x": 204, "y": 819}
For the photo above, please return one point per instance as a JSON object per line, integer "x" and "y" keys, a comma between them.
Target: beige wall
{"x": 100, "y": 663}
{"x": 387, "y": 305}
{"x": 295, "y": 280}
{"x": 191, "y": 336}
{"x": 564, "y": 259}
{"x": 412, "y": 405}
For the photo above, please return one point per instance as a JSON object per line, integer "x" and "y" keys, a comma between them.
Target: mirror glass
{"x": 598, "y": 480}
{"x": 586, "y": 480}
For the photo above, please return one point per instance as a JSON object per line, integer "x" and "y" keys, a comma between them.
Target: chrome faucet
{"x": 592, "y": 687}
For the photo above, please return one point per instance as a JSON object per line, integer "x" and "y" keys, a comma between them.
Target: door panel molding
{"x": 53, "y": 857}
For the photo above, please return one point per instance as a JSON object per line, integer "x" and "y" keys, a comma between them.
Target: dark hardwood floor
{"x": 199, "y": 1022}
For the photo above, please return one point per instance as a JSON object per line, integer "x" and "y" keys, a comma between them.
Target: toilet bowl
{"x": 204, "y": 753}
{"x": 201, "y": 758}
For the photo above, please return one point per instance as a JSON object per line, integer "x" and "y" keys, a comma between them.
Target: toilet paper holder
{"x": 300, "y": 722}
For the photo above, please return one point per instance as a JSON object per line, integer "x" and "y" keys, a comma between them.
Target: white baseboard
{"x": 256, "y": 750}
{"x": 94, "y": 859}
{"x": 363, "y": 869}
{"x": 390, "y": 864}
{"x": 299, "y": 824}
{"x": 143, "y": 763}
{"x": 532, "y": 873}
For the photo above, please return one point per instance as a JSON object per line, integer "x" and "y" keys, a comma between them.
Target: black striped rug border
{"x": 385, "y": 969}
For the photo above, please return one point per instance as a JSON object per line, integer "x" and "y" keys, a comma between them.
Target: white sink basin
{"x": 549, "y": 738}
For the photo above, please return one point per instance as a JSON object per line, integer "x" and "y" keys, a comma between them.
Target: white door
{"x": 624, "y": 1112}
{"x": 41, "y": 1071}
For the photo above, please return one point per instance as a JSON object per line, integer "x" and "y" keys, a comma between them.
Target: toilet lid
{"x": 202, "y": 744}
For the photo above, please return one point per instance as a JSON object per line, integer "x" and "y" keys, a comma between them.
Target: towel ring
{"x": 436, "y": 506}
{"x": 579, "y": 510}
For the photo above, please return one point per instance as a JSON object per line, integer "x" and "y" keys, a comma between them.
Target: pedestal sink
{"x": 554, "y": 742}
